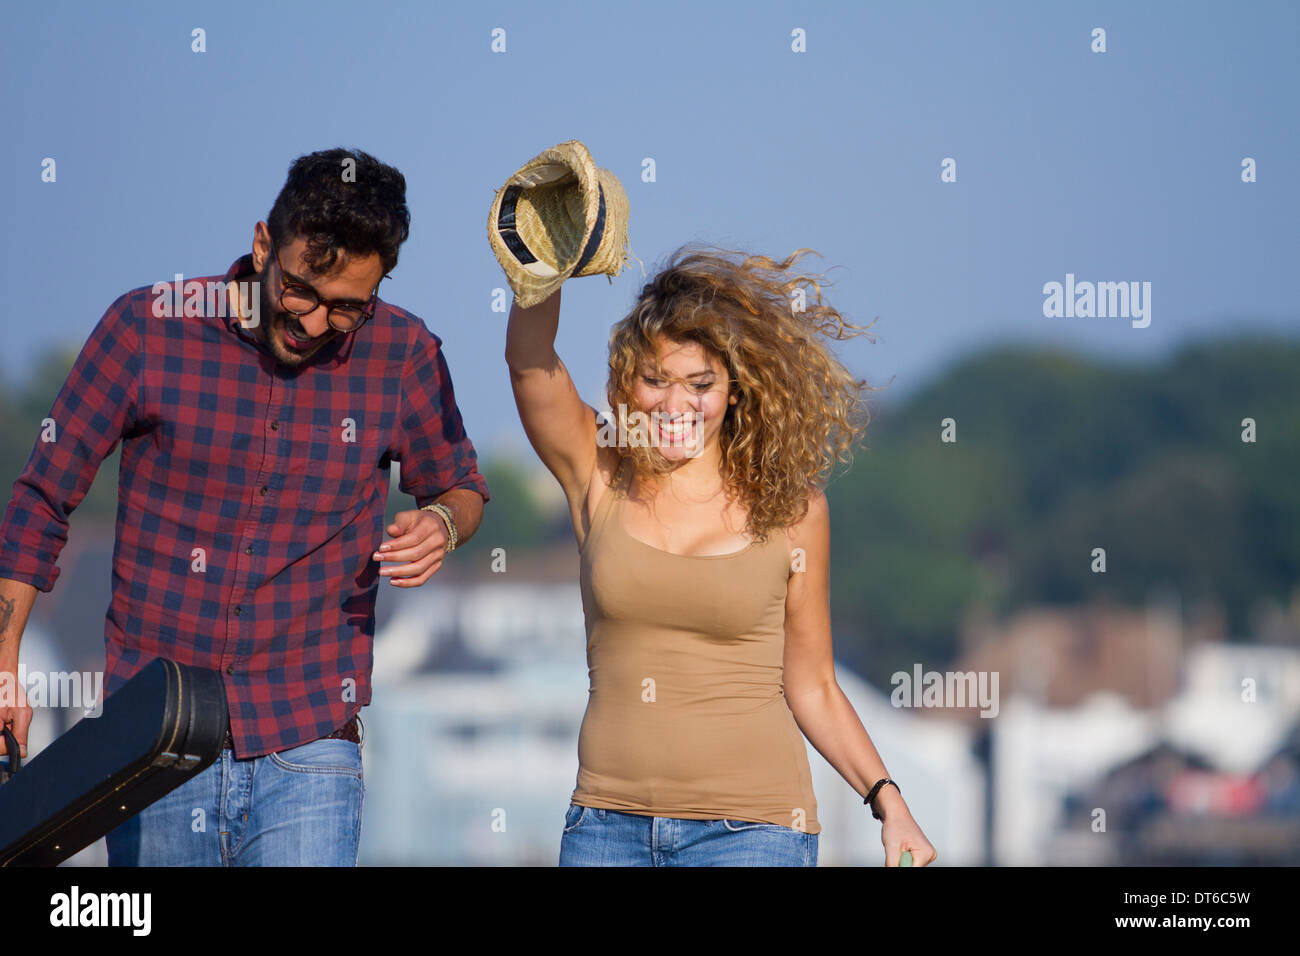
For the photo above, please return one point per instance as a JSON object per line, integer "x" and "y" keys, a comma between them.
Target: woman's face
{"x": 686, "y": 398}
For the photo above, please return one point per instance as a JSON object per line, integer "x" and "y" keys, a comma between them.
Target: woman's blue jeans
{"x": 596, "y": 837}
{"x": 298, "y": 807}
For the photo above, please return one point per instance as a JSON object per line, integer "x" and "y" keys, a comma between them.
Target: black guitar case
{"x": 163, "y": 726}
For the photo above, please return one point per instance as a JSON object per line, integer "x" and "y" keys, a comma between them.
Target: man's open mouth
{"x": 294, "y": 343}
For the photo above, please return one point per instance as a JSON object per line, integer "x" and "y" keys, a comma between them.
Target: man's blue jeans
{"x": 299, "y": 807}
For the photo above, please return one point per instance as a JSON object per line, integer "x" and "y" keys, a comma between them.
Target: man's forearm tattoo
{"x": 6, "y": 612}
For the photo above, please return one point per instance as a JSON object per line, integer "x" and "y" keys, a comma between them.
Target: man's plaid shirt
{"x": 251, "y": 497}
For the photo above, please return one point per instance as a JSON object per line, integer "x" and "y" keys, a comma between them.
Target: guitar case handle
{"x": 13, "y": 753}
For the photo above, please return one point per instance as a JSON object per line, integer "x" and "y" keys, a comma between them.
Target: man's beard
{"x": 270, "y": 330}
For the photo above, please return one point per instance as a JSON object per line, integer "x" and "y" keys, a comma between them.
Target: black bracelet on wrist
{"x": 876, "y": 789}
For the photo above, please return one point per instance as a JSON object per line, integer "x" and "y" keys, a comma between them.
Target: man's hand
{"x": 14, "y": 709}
{"x": 420, "y": 539}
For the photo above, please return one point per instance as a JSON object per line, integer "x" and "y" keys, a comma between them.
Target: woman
{"x": 705, "y": 543}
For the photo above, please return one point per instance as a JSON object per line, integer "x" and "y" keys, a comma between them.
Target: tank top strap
{"x": 617, "y": 488}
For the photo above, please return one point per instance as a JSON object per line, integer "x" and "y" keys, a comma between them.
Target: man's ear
{"x": 261, "y": 245}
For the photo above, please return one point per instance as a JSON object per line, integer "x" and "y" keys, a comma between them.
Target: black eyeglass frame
{"x": 367, "y": 312}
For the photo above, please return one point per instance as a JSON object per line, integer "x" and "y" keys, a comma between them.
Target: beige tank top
{"x": 686, "y": 715}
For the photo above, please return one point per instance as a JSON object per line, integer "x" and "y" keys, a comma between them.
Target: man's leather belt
{"x": 348, "y": 731}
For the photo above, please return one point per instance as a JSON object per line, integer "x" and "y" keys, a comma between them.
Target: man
{"x": 258, "y": 415}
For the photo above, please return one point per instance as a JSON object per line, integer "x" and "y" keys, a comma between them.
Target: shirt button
{"x": 230, "y": 668}
{"x": 275, "y": 426}
{"x": 248, "y": 550}
{"x": 262, "y": 490}
{"x": 237, "y": 612}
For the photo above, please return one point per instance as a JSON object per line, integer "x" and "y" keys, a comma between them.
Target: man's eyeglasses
{"x": 301, "y": 299}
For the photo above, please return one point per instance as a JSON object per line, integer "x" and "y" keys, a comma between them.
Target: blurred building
{"x": 1127, "y": 740}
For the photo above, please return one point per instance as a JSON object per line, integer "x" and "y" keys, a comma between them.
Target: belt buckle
{"x": 350, "y": 731}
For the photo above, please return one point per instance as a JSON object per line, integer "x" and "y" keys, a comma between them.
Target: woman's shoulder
{"x": 814, "y": 524}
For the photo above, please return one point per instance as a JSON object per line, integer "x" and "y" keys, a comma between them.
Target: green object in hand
{"x": 906, "y": 858}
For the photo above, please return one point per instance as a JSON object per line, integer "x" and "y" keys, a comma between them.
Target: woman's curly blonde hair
{"x": 798, "y": 409}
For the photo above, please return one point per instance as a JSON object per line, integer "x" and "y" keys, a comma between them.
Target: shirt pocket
{"x": 333, "y": 475}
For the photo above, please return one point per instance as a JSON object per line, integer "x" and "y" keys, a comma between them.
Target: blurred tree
{"x": 22, "y": 409}
{"x": 1057, "y": 455}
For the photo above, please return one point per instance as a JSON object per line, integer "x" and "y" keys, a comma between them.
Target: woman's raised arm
{"x": 560, "y": 425}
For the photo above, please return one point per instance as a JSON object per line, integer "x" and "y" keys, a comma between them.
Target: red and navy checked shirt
{"x": 246, "y": 518}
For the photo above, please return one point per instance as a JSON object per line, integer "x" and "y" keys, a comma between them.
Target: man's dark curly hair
{"x": 362, "y": 213}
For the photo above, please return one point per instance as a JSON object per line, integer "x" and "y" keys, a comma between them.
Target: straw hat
{"x": 558, "y": 216}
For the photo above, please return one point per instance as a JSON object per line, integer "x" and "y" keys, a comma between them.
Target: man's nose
{"x": 315, "y": 322}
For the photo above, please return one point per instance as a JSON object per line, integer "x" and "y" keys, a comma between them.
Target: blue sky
{"x": 1115, "y": 166}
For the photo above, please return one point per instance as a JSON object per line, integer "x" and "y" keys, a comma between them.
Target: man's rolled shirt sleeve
{"x": 94, "y": 408}
{"x": 435, "y": 453}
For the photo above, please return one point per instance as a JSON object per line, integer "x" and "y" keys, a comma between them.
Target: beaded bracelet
{"x": 445, "y": 513}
